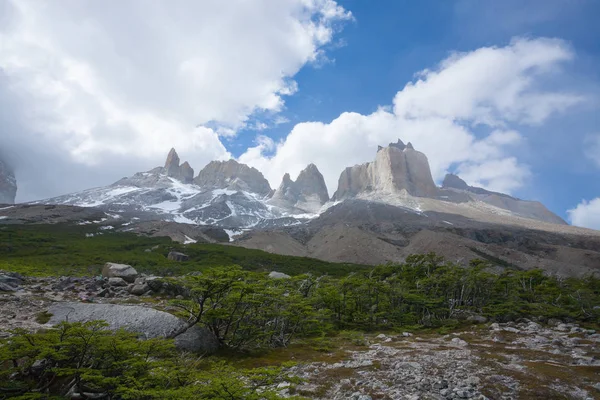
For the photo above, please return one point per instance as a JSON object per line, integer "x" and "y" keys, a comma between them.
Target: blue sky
{"x": 383, "y": 48}
{"x": 503, "y": 92}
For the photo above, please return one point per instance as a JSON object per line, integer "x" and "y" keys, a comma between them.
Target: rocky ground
{"x": 522, "y": 360}
{"x": 492, "y": 361}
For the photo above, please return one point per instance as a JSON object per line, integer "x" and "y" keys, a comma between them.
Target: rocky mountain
{"x": 308, "y": 193}
{"x": 524, "y": 208}
{"x": 231, "y": 175}
{"x": 382, "y": 211}
{"x": 8, "y": 184}
{"x": 396, "y": 168}
{"x": 226, "y": 194}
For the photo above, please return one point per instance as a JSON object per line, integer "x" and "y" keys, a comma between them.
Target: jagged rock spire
{"x": 307, "y": 193}
{"x": 184, "y": 173}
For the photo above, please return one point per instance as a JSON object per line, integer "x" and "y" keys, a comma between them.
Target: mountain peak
{"x": 184, "y": 172}
{"x": 454, "y": 182}
{"x": 307, "y": 193}
{"x": 233, "y": 175}
{"x": 395, "y": 169}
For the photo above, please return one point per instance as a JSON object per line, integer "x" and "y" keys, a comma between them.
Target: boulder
{"x": 112, "y": 270}
{"x": 177, "y": 256}
{"x": 139, "y": 289}
{"x": 278, "y": 275}
{"x": 117, "y": 282}
{"x": 147, "y": 322}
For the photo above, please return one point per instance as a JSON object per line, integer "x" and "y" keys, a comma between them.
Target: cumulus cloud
{"x": 493, "y": 90}
{"x": 101, "y": 82}
{"x": 586, "y": 214}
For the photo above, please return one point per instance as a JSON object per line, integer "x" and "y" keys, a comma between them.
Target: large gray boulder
{"x": 147, "y": 322}
{"x": 113, "y": 270}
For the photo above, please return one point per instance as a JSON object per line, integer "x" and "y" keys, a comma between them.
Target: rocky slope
{"x": 528, "y": 209}
{"x": 308, "y": 193}
{"x": 374, "y": 233}
{"x": 8, "y": 184}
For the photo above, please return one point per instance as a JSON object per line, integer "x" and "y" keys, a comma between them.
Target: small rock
{"x": 177, "y": 256}
{"x": 459, "y": 342}
{"x": 278, "y": 275}
{"x": 139, "y": 289}
{"x": 117, "y": 282}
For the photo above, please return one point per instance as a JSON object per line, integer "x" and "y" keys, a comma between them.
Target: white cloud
{"x": 586, "y": 214}
{"x": 491, "y": 89}
{"x": 107, "y": 79}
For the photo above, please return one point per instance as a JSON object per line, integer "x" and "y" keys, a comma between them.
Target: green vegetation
{"x": 246, "y": 309}
{"x": 90, "y": 360}
{"x": 308, "y": 315}
{"x": 65, "y": 250}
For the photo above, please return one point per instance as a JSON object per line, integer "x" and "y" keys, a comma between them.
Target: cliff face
{"x": 308, "y": 193}
{"x": 234, "y": 176}
{"x": 8, "y": 184}
{"x": 396, "y": 167}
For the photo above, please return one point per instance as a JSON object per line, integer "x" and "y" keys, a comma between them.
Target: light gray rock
{"x": 113, "y": 270}
{"x": 278, "y": 275}
{"x": 139, "y": 289}
{"x": 148, "y": 322}
{"x": 117, "y": 281}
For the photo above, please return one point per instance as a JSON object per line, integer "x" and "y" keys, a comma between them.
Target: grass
{"x": 60, "y": 249}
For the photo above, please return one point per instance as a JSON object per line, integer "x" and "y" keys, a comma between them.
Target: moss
{"x": 43, "y": 317}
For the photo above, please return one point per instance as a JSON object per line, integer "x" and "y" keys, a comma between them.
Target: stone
{"x": 459, "y": 342}
{"x": 113, "y": 270}
{"x": 278, "y": 275}
{"x": 177, "y": 256}
{"x": 5, "y": 287}
{"x": 116, "y": 282}
{"x": 478, "y": 319}
{"x": 147, "y": 322}
{"x": 139, "y": 289}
